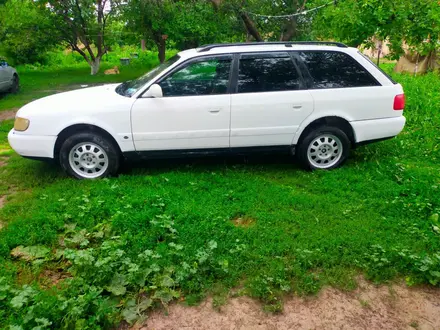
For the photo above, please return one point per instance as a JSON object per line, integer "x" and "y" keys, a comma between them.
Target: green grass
{"x": 39, "y": 81}
{"x": 165, "y": 230}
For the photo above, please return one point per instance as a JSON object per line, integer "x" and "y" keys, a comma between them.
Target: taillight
{"x": 399, "y": 102}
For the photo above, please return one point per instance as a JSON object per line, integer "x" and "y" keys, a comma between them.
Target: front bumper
{"x": 32, "y": 145}
{"x": 376, "y": 129}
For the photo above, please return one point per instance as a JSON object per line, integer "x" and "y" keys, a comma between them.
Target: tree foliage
{"x": 261, "y": 18}
{"x": 24, "y": 27}
{"x": 91, "y": 27}
{"x": 414, "y": 22}
{"x": 185, "y": 24}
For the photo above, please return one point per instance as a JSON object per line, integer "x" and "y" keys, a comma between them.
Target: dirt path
{"x": 368, "y": 307}
{"x": 8, "y": 114}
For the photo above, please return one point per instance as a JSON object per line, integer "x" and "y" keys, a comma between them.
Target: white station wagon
{"x": 316, "y": 100}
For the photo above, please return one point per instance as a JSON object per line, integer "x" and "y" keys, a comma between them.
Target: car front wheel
{"x": 89, "y": 156}
{"x": 326, "y": 147}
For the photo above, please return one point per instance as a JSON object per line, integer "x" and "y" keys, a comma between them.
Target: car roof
{"x": 218, "y": 49}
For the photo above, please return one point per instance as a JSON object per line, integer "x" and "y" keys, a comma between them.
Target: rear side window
{"x": 267, "y": 73}
{"x": 336, "y": 70}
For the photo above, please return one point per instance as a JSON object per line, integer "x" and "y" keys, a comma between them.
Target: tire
{"x": 15, "y": 84}
{"x": 325, "y": 147}
{"x": 89, "y": 156}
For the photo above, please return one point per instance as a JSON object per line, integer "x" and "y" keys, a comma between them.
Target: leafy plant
{"x": 162, "y": 231}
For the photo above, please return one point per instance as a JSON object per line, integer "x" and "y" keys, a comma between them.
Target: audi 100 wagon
{"x": 315, "y": 100}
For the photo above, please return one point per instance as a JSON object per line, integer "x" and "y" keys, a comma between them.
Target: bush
{"x": 64, "y": 58}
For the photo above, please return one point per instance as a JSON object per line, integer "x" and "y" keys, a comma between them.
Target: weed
{"x": 414, "y": 324}
{"x": 364, "y": 303}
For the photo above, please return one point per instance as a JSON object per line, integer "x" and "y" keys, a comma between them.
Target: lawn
{"x": 90, "y": 254}
{"x": 40, "y": 81}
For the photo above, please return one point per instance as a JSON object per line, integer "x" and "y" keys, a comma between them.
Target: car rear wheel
{"x": 326, "y": 148}
{"x": 89, "y": 156}
{"x": 15, "y": 84}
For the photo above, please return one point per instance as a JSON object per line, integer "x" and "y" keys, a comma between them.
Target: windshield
{"x": 130, "y": 87}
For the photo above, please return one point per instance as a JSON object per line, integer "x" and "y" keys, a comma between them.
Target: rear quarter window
{"x": 335, "y": 70}
{"x": 378, "y": 68}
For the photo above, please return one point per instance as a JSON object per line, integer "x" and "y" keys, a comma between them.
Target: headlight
{"x": 21, "y": 124}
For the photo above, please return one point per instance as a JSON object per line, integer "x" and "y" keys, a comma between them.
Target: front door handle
{"x": 297, "y": 107}
{"x": 215, "y": 110}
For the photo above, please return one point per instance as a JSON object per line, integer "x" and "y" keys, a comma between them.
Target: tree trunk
{"x": 247, "y": 21}
{"x": 216, "y": 4}
{"x": 94, "y": 66}
{"x": 250, "y": 26}
{"x": 161, "y": 47}
{"x": 289, "y": 29}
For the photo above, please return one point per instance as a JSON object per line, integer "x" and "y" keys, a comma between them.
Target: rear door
{"x": 270, "y": 100}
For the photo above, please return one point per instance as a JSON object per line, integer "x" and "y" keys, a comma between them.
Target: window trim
{"x": 304, "y": 67}
{"x": 267, "y": 54}
{"x": 192, "y": 60}
{"x": 234, "y": 74}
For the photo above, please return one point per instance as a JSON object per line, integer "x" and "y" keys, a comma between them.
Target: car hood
{"x": 84, "y": 100}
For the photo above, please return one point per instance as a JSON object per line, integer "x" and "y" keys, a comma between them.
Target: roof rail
{"x": 205, "y": 48}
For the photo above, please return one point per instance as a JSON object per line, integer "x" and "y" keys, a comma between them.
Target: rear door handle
{"x": 214, "y": 110}
{"x": 297, "y": 107}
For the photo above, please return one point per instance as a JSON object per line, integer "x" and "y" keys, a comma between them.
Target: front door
{"x": 270, "y": 102}
{"x": 194, "y": 112}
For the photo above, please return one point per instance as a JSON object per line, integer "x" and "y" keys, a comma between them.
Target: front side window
{"x": 336, "y": 70}
{"x": 268, "y": 73}
{"x": 205, "y": 77}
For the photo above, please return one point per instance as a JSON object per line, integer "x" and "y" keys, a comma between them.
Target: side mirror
{"x": 155, "y": 91}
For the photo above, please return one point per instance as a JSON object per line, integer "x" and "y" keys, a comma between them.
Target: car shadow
{"x": 208, "y": 163}
{"x": 269, "y": 163}
{"x": 3, "y": 95}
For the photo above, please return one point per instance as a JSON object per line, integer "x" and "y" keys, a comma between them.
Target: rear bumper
{"x": 32, "y": 145}
{"x": 377, "y": 129}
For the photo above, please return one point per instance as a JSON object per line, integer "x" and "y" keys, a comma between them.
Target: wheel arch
{"x": 16, "y": 76}
{"x": 334, "y": 121}
{"x": 82, "y": 128}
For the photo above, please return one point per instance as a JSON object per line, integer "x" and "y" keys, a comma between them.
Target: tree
{"x": 414, "y": 22}
{"x": 24, "y": 27}
{"x": 150, "y": 18}
{"x": 82, "y": 25}
{"x": 185, "y": 24}
{"x": 197, "y": 22}
{"x": 269, "y": 19}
